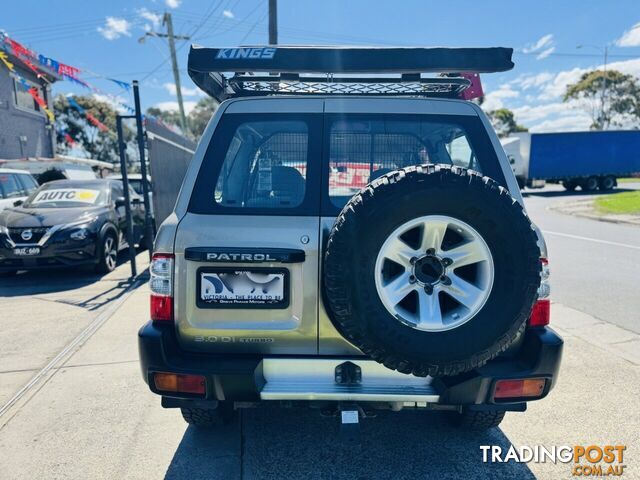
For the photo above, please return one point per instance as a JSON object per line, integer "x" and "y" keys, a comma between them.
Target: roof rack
{"x": 273, "y": 70}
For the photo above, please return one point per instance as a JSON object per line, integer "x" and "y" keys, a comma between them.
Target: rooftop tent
{"x": 264, "y": 70}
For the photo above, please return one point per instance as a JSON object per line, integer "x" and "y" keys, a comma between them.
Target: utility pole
{"x": 176, "y": 73}
{"x": 273, "y": 22}
{"x": 166, "y": 20}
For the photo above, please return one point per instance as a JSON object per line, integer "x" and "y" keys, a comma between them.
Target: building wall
{"x": 16, "y": 122}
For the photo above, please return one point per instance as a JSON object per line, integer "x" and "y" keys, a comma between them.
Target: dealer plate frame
{"x": 246, "y": 306}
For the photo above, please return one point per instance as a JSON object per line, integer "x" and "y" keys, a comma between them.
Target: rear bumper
{"x": 245, "y": 377}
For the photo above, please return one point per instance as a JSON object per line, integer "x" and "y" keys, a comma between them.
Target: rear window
{"x": 260, "y": 164}
{"x": 265, "y": 166}
{"x": 29, "y": 183}
{"x": 9, "y": 186}
{"x": 365, "y": 148}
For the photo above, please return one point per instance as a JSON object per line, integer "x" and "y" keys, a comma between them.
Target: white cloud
{"x": 558, "y": 86}
{"x": 630, "y": 67}
{"x": 542, "y": 42}
{"x": 154, "y": 18}
{"x": 228, "y": 14}
{"x": 533, "y": 113}
{"x": 576, "y": 122}
{"x": 115, "y": 28}
{"x": 173, "y": 3}
{"x": 630, "y": 38}
{"x": 173, "y": 106}
{"x": 494, "y": 100}
{"x": 545, "y": 53}
{"x": 536, "y": 99}
{"x": 187, "y": 92}
{"x": 115, "y": 101}
{"x": 529, "y": 81}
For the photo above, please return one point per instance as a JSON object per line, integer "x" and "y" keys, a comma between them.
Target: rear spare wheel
{"x": 431, "y": 270}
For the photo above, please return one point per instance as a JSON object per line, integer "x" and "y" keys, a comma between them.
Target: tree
{"x": 97, "y": 143}
{"x": 167, "y": 116}
{"x": 611, "y": 98}
{"x": 504, "y": 122}
{"x": 197, "y": 118}
{"x": 200, "y": 115}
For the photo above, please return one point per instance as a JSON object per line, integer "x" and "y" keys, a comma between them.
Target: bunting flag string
{"x": 67, "y": 72}
{"x": 75, "y": 104}
{"x": 31, "y": 90}
{"x": 5, "y": 60}
{"x": 90, "y": 118}
{"x": 101, "y": 126}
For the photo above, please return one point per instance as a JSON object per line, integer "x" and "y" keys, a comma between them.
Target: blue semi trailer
{"x": 589, "y": 160}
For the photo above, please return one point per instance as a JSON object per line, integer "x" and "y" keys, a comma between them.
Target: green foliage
{"x": 200, "y": 115}
{"x": 504, "y": 122}
{"x": 620, "y": 105}
{"x": 197, "y": 119}
{"x": 87, "y": 137}
{"x": 167, "y": 116}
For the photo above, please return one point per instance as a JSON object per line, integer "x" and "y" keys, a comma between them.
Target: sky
{"x": 554, "y": 41}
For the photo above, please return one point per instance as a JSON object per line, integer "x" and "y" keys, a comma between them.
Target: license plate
{"x": 234, "y": 288}
{"x": 26, "y": 251}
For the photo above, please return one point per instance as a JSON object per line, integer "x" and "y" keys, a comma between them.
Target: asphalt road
{"x": 595, "y": 265}
{"x": 89, "y": 414}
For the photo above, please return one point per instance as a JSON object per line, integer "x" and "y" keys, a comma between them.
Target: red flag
{"x": 475, "y": 89}
{"x": 101, "y": 126}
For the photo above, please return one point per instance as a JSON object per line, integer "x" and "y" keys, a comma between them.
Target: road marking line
{"x": 67, "y": 352}
{"x": 588, "y": 239}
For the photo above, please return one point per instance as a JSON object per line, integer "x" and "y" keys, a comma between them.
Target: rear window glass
{"x": 29, "y": 183}
{"x": 361, "y": 150}
{"x": 264, "y": 166}
{"x": 9, "y": 186}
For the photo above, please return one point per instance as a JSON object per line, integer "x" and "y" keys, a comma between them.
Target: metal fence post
{"x": 127, "y": 200}
{"x": 149, "y": 228}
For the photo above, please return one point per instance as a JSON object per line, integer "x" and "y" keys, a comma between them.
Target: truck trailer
{"x": 590, "y": 160}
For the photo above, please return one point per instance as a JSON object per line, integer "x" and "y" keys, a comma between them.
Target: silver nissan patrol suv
{"x": 349, "y": 234}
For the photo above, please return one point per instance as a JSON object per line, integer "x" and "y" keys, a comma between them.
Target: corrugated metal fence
{"x": 169, "y": 157}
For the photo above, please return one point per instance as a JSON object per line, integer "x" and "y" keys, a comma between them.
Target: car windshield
{"x": 67, "y": 196}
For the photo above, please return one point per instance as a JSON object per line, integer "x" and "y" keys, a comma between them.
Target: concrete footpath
{"x": 95, "y": 418}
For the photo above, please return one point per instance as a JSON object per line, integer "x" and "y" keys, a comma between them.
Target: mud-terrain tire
{"x": 209, "y": 417}
{"x": 349, "y": 269}
{"x": 475, "y": 420}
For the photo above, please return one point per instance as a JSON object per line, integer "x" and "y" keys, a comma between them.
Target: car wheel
{"x": 108, "y": 253}
{"x": 432, "y": 270}
{"x": 209, "y": 417}
{"x": 476, "y": 420}
{"x": 590, "y": 184}
{"x": 607, "y": 183}
{"x": 569, "y": 186}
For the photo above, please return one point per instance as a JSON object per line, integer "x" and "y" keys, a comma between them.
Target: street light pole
{"x": 603, "y": 91}
{"x": 604, "y": 86}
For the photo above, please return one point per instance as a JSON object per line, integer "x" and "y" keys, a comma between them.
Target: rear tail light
{"x": 161, "y": 285}
{"x": 175, "y": 382}
{"x": 521, "y": 388}
{"x": 541, "y": 313}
